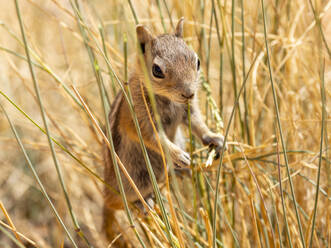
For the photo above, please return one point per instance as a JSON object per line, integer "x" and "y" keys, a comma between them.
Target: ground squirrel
{"x": 173, "y": 70}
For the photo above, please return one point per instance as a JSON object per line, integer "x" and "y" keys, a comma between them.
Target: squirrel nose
{"x": 188, "y": 96}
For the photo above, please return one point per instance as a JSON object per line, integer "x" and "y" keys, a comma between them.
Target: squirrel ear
{"x": 143, "y": 35}
{"x": 179, "y": 28}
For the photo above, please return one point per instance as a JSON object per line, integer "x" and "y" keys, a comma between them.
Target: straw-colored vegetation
{"x": 61, "y": 62}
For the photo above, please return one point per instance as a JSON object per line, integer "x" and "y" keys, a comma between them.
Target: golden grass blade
{"x": 19, "y": 234}
{"x": 13, "y": 228}
{"x": 9, "y": 235}
{"x": 207, "y": 225}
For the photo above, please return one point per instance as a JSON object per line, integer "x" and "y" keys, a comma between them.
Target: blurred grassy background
{"x": 297, "y": 53}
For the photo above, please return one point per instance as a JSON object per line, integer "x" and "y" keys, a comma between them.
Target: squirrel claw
{"x": 181, "y": 159}
{"x": 215, "y": 141}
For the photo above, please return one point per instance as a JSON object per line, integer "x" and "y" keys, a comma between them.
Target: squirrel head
{"x": 173, "y": 68}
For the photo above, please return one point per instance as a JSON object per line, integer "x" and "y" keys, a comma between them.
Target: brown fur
{"x": 179, "y": 66}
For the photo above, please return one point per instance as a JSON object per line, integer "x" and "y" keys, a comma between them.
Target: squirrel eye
{"x": 157, "y": 72}
{"x": 198, "y": 64}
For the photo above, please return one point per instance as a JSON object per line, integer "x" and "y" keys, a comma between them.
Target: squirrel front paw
{"x": 215, "y": 141}
{"x": 180, "y": 158}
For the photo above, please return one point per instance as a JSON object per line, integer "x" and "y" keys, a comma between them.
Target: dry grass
{"x": 250, "y": 210}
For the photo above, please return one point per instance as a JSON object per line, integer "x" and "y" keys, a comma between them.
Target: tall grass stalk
{"x": 193, "y": 169}
{"x": 243, "y": 50}
{"x": 221, "y": 47}
{"x": 289, "y": 239}
{"x": 113, "y": 87}
{"x": 320, "y": 154}
{"x": 233, "y": 66}
{"x": 161, "y": 15}
{"x": 133, "y": 12}
{"x": 42, "y": 188}
{"x": 55, "y": 160}
{"x": 209, "y": 46}
{"x": 169, "y": 14}
{"x": 4, "y": 211}
{"x": 39, "y": 63}
{"x": 223, "y": 151}
{"x": 280, "y": 126}
{"x": 234, "y": 81}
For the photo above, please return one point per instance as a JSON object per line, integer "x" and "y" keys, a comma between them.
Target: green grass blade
{"x": 319, "y": 25}
{"x": 37, "y": 178}
{"x": 169, "y": 14}
{"x": 41, "y": 64}
{"x": 20, "y": 56}
{"x": 133, "y": 12}
{"x": 280, "y": 126}
{"x": 233, "y": 65}
{"x": 101, "y": 31}
{"x": 320, "y": 155}
{"x": 193, "y": 169}
{"x": 243, "y": 50}
{"x": 161, "y": 15}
